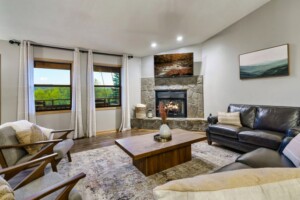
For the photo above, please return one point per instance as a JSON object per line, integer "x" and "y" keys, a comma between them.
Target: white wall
{"x": 148, "y": 61}
{"x": 106, "y": 119}
{"x": 274, "y": 24}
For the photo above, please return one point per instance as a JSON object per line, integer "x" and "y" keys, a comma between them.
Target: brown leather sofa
{"x": 263, "y": 157}
{"x": 263, "y": 126}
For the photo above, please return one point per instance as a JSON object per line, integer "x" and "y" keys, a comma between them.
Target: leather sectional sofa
{"x": 263, "y": 157}
{"x": 262, "y": 126}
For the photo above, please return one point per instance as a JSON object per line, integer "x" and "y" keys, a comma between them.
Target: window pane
{"x": 107, "y": 78}
{"x": 107, "y": 96}
{"x": 52, "y": 98}
{"x": 51, "y": 76}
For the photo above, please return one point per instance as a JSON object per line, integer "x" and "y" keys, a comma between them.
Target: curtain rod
{"x": 67, "y": 49}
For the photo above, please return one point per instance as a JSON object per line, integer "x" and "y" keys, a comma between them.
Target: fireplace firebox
{"x": 174, "y": 100}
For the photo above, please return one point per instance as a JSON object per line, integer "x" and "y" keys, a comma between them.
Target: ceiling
{"x": 120, "y": 26}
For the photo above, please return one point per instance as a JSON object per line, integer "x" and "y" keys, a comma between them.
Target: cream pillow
{"x": 6, "y": 192}
{"x": 232, "y": 118}
{"x": 34, "y": 134}
{"x": 292, "y": 150}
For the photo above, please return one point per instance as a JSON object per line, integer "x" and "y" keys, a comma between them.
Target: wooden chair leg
{"x": 69, "y": 156}
{"x": 53, "y": 165}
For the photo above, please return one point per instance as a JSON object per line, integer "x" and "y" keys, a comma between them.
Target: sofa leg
{"x": 69, "y": 156}
{"x": 209, "y": 142}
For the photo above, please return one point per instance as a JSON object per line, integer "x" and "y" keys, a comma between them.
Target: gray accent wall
{"x": 274, "y": 24}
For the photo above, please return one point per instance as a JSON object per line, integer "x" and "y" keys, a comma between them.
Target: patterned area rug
{"x": 111, "y": 175}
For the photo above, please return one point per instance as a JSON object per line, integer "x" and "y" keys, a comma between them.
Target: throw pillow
{"x": 34, "y": 134}
{"x": 6, "y": 192}
{"x": 232, "y": 118}
{"x": 292, "y": 150}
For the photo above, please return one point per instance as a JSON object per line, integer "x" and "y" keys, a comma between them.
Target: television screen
{"x": 173, "y": 65}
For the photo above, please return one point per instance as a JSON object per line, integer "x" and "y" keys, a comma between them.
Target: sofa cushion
{"x": 246, "y": 184}
{"x": 8, "y": 137}
{"x": 269, "y": 139}
{"x": 232, "y": 166}
{"x": 276, "y": 118}
{"x": 247, "y": 113}
{"x": 226, "y": 130}
{"x": 263, "y": 157}
{"x": 229, "y": 118}
{"x": 292, "y": 150}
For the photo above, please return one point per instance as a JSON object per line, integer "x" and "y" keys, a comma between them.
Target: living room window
{"x": 52, "y": 86}
{"x": 107, "y": 82}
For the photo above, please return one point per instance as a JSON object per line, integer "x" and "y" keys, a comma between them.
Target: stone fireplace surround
{"x": 195, "y": 113}
{"x": 193, "y": 85}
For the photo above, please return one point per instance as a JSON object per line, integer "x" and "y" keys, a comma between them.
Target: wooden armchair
{"x": 39, "y": 185}
{"x": 12, "y": 153}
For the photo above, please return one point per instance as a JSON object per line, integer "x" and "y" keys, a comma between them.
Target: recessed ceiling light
{"x": 179, "y": 38}
{"x": 153, "y": 44}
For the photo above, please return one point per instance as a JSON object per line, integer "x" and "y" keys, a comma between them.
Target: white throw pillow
{"x": 292, "y": 150}
{"x": 232, "y": 118}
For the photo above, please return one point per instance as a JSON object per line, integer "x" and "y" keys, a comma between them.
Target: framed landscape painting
{"x": 173, "y": 65}
{"x": 265, "y": 63}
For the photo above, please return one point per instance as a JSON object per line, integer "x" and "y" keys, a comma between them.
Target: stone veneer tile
{"x": 193, "y": 85}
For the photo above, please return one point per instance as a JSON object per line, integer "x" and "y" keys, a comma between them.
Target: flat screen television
{"x": 173, "y": 65}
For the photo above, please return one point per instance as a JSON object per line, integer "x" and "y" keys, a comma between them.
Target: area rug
{"x": 111, "y": 175}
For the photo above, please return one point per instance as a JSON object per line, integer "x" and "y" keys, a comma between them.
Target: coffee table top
{"x": 144, "y": 145}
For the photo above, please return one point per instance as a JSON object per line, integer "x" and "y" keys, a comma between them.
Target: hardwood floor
{"x": 105, "y": 139}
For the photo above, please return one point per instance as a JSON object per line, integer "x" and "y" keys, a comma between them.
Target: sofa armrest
{"x": 292, "y": 132}
{"x": 212, "y": 119}
{"x": 283, "y": 144}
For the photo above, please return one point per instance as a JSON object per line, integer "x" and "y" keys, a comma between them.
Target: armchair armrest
{"x": 30, "y": 144}
{"x": 212, "y": 119}
{"x": 68, "y": 184}
{"x": 64, "y": 133}
{"x": 293, "y": 131}
{"x": 10, "y": 172}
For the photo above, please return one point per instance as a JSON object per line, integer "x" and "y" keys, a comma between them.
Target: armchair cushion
{"x": 32, "y": 135}
{"x": 42, "y": 183}
{"x": 8, "y": 137}
{"x": 63, "y": 147}
{"x": 6, "y": 192}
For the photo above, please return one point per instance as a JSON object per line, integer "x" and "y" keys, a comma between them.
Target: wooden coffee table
{"x": 151, "y": 157}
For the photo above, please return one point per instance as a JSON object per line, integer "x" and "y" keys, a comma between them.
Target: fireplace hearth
{"x": 174, "y": 100}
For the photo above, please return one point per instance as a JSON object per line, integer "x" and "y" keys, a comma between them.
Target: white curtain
{"x": 91, "y": 110}
{"x": 76, "y": 113}
{"x": 26, "y": 104}
{"x": 125, "y": 124}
